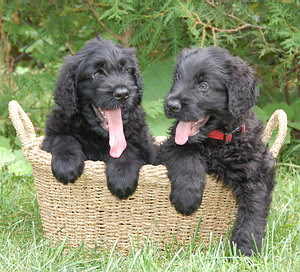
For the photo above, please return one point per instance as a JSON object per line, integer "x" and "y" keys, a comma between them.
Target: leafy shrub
{"x": 12, "y": 162}
{"x": 36, "y": 35}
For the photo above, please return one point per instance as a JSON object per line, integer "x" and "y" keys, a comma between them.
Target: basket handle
{"x": 21, "y": 123}
{"x": 278, "y": 119}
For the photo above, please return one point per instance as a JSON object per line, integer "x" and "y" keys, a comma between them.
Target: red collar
{"x": 227, "y": 137}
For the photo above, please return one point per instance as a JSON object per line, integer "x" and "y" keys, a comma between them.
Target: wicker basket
{"x": 87, "y": 211}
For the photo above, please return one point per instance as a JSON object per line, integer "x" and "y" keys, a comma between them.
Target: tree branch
{"x": 127, "y": 35}
{"x": 213, "y": 28}
{"x": 124, "y": 39}
{"x": 68, "y": 45}
{"x": 6, "y": 52}
{"x": 231, "y": 15}
{"x": 203, "y": 36}
{"x": 91, "y": 4}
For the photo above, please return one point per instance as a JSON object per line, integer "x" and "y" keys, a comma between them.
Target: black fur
{"x": 244, "y": 164}
{"x": 74, "y": 132}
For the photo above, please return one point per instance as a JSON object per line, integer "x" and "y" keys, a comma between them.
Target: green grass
{"x": 23, "y": 248}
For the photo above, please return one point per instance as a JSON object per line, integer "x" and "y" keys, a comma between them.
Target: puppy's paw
{"x": 245, "y": 244}
{"x": 67, "y": 170}
{"x": 122, "y": 187}
{"x": 242, "y": 249}
{"x": 185, "y": 201}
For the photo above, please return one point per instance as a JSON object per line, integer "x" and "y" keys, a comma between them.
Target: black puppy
{"x": 99, "y": 117}
{"x": 216, "y": 133}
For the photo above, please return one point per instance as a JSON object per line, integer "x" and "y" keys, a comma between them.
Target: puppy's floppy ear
{"x": 65, "y": 92}
{"x": 136, "y": 73}
{"x": 242, "y": 87}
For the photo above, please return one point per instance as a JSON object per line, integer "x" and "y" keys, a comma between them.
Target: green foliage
{"x": 154, "y": 108}
{"x": 157, "y": 78}
{"x": 38, "y": 34}
{"x": 158, "y": 28}
{"x": 12, "y": 162}
{"x": 34, "y": 91}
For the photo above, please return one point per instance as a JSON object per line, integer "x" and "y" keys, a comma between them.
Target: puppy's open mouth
{"x": 102, "y": 116}
{"x": 111, "y": 121}
{"x": 186, "y": 129}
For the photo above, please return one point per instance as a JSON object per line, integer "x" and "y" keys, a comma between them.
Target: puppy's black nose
{"x": 121, "y": 94}
{"x": 173, "y": 105}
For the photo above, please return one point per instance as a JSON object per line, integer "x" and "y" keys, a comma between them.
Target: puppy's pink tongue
{"x": 183, "y": 131}
{"x": 117, "y": 141}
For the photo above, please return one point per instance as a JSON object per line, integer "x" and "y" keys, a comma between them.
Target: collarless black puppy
{"x": 216, "y": 133}
{"x": 99, "y": 117}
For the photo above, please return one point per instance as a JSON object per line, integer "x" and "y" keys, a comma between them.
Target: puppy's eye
{"x": 203, "y": 85}
{"x": 98, "y": 74}
{"x": 95, "y": 75}
{"x": 129, "y": 71}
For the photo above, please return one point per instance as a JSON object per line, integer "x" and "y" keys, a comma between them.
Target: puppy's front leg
{"x": 122, "y": 174}
{"x": 186, "y": 170}
{"x": 67, "y": 162}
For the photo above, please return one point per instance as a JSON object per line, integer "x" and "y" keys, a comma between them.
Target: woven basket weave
{"x": 86, "y": 210}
